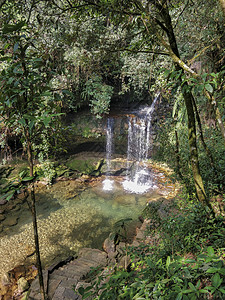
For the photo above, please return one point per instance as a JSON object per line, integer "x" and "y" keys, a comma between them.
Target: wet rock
{"x": 124, "y": 199}
{"x": 10, "y": 221}
{"x": 100, "y": 193}
{"x": 23, "y": 285}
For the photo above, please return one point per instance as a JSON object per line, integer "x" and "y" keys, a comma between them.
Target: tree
{"x": 26, "y": 102}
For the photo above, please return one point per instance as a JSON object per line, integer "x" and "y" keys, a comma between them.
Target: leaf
{"x": 16, "y": 70}
{"x": 168, "y": 262}
{"x": 9, "y": 195}
{"x": 28, "y": 178}
{"x": 222, "y": 271}
{"x": 179, "y": 296}
{"x": 46, "y": 94}
{"x": 46, "y": 121}
{"x": 198, "y": 284}
{"x": 210, "y": 251}
{"x": 5, "y": 58}
{"x": 202, "y": 291}
{"x": 22, "y": 121}
{"x": 209, "y": 87}
{"x": 191, "y": 286}
{"x": 31, "y": 125}
{"x": 81, "y": 291}
{"x": 8, "y": 28}
{"x": 11, "y": 79}
{"x": 212, "y": 270}
{"x": 67, "y": 92}
{"x": 216, "y": 280}
{"x": 23, "y": 173}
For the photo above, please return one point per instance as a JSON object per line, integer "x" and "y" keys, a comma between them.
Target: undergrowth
{"x": 184, "y": 259}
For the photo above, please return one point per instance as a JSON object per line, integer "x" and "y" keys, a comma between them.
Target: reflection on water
{"x": 68, "y": 219}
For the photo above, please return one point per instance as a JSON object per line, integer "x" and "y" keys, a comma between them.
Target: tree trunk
{"x": 34, "y": 218}
{"x": 193, "y": 148}
{"x": 177, "y": 152}
{"x": 188, "y": 98}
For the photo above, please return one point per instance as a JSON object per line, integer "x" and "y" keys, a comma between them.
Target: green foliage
{"x": 154, "y": 278}
{"x": 190, "y": 230}
{"x": 99, "y": 94}
{"x": 27, "y": 101}
{"x": 47, "y": 170}
{"x": 14, "y": 185}
{"x": 158, "y": 272}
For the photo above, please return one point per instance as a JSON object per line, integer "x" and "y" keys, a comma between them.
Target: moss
{"x": 82, "y": 166}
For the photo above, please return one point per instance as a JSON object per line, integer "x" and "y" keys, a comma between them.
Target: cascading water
{"x": 107, "y": 183}
{"x": 139, "y": 141}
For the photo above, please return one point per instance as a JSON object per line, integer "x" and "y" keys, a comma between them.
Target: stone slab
{"x": 70, "y": 295}
{"x": 58, "y": 295}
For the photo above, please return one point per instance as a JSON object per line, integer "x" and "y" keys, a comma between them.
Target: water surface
{"x": 71, "y": 215}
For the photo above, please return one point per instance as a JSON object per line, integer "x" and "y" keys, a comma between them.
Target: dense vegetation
{"x": 60, "y": 56}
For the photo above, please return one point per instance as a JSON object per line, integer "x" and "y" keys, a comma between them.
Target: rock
{"x": 109, "y": 245}
{"x": 125, "y": 199}
{"x": 141, "y": 219}
{"x": 23, "y": 285}
{"x": 17, "y": 207}
{"x": 17, "y": 272}
{"x": 10, "y": 221}
{"x": 3, "y": 202}
{"x": 10, "y": 206}
{"x": 2, "y": 217}
{"x": 94, "y": 255}
{"x": 124, "y": 262}
{"x": 5, "y": 280}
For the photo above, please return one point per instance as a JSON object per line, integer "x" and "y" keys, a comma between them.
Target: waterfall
{"x": 107, "y": 183}
{"x": 109, "y": 143}
{"x": 138, "y": 179}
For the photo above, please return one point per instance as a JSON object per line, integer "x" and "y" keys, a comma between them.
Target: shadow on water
{"x": 44, "y": 207}
{"x": 91, "y": 234}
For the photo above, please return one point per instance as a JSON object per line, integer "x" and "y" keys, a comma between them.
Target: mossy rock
{"x": 82, "y": 166}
